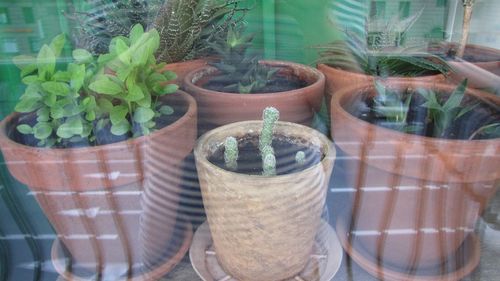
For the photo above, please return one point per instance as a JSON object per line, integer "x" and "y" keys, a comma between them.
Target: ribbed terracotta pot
{"x": 338, "y": 79}
{"x": 218, "y": 108}
{"x": 95, "y": 197}
{"x": 417, "y": 198}
{"x": 263, "y": 227}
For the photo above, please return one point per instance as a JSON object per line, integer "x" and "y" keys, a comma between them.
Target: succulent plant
{"x": 381, "y": 54}
{"x": 240, "y": 71}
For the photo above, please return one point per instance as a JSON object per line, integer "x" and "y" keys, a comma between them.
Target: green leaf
{"x": 122, "y": 50}
{"x": 72, "y": 126}
{"x": 28, "y": 104}
{"x": 56, "y": 88}
{"x": 136, "y": 33}
{"x": 465, "y": 110}
{"x": 456, "y": 97}
{"x": 62, "y": 76}
{"x": 42, "y": 130}
{"x": 134, "y": 94}
{"x": 146, "y": 101}
{"x": 169, "y": 75}
{"x": 169, "y": 89}
{"x": 143, "y": 114}
{"x": 25, "y": 129}
{"x": 30, "y": 79}
{"x": 105, "y": 86}
{"x": 43, "y": 114}
{"x": 123, "y": 73}
{"x": 141, "y": 56}
{"x": 82, "y": 56}
{"x": 90, "y": 116}
{"x": 104, "y": 104}
{"x": 166, "y": 109}
{"x": 120, "y": 128}
{"x": 57, "y": 44}
{"x": 118, "y": 114}
{"x": 46, "y": 61}
{"x": 56, "y": 112}
{"x": 50, "y": 99}
{"x": 77, "y": 76}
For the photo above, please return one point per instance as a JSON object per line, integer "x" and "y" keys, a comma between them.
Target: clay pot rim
{"x": 346, "y": 93}
{"x": 191, "y": 111}
{"x": 327, "y": 148}
{"x": 432, "y": 77}
{"x": 188, "y": 80}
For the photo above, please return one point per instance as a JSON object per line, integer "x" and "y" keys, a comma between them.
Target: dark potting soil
{"x": 278, "y": 84}
{"x": 482, "y": 114}
{"x": 103, "y": 136}
{"x": 250, "y": 161}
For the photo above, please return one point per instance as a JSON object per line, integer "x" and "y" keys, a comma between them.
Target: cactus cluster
{"x": 270, "y": 115}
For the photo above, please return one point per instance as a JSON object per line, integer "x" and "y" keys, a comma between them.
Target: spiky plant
{"x": 381, "y": 54}
{"x": 185, "y": 26}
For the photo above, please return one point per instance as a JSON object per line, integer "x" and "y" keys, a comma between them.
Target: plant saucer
{"x": 322, "y": 266}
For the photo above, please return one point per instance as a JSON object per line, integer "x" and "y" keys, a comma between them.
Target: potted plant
{"x": 427, "y": 165}
{"x": 238, "y": 86}
{"x": 94, "y": 139}
{"x": 479, "y": 64}
{"x": 263, "y": 185}
{"x": 362, "y": 58}
{"x": 185, "y": 27}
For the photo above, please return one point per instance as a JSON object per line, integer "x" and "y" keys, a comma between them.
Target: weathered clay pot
{"x": 218, "y": 108}
{"x": 263, "y": 227}
{"x": 338, "y": 79}
{"x": 417, "y": 198}
{"x": 95, "y": 197}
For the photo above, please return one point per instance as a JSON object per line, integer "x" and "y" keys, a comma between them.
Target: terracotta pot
{"x": 218, "y": 108}
{"x": 183, "y": 68}
{"x": 417, "y": 198}
{"x": 338, "y": 79}
{"x": 263, "y": 227}
{"x": 92, "y": 195}
{"x": 480, "y": 65}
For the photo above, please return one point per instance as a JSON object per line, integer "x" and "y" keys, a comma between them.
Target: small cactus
{"x": 231, "y": 153}
{"x": 269, "y": 165}
{"x": 300, "y": 158}
{"x": 270, "y": 115}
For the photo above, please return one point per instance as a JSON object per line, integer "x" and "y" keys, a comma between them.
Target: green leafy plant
{"x": 443, "y": 114}
{"x": 119, "y": 90}
{"x": 270, "y": 116}
{"x": 129, "y": 84}
{"x": 62, "y": 114}
{"x": 240, "y": 71}
{"x": 382, "y": 53}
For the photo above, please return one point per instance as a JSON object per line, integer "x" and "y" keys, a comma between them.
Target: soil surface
{"x": 482, "y": 114}
{"x": 279, "y": 83}
{"x": 250, "y": 161}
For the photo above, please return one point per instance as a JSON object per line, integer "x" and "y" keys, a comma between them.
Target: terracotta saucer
{"x": 323, "y": 264}
{"x": 471, "y": 249}
{"x": 61, "y": 261}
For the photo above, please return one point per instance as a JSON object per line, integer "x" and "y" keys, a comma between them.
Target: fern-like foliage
{"x": 187, "y": 26}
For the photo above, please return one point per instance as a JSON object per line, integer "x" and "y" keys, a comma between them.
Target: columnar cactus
{"x": 231, "y": 153}
{"x": 270, "y": 116}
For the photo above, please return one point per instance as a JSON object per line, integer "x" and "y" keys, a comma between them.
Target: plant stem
{"x": 468, "y": 5}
